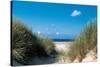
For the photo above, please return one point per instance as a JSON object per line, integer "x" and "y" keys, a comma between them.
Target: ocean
{"x": 62, "y": 40}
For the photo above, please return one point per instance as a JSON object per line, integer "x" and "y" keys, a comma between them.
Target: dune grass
{"x": 26, "y": 44}
{"x": 62, "y": 57}
{"x": 86, "y": 41}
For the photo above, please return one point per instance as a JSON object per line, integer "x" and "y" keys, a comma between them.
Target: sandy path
{"x": 62, "y": 46}
{"x": 59, "y": 46}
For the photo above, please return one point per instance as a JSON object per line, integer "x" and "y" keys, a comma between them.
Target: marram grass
{"x": 86, "y": 41}
{"x": 26, "y": 45}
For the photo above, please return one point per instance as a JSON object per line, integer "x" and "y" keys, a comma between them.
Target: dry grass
{"x": 26, "y": 44}
{"x": 86, "y": 41}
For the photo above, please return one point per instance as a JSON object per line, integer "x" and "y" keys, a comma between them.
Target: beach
{"x": 62, "y": 46}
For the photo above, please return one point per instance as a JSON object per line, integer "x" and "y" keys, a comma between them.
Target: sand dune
{"x": 59, "y": 46}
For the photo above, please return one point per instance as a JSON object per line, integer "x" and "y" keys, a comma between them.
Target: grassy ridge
{"x": 26, "y": 45}
{"x": 86, "y": 41}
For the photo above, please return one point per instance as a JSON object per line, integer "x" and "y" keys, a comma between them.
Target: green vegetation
{"x": 26, "y": 45}
{"x": 86, "y": 41}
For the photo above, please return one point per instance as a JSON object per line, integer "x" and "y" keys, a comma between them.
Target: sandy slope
{"x": 91, "y": 56}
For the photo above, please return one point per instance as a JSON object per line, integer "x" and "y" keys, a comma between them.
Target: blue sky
{"x": 54, "y": 19}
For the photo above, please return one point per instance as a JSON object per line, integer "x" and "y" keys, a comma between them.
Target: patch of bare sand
{"x": 90, "y": 56}
{"x": 62, "y": 46}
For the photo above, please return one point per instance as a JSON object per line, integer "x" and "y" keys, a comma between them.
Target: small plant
{"x": 86, "y": 41}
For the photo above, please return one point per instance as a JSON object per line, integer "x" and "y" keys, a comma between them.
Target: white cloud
{"x": 76, "y": 13}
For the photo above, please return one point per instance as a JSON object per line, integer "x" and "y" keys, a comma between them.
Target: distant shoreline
{"x": 62, "y": 40}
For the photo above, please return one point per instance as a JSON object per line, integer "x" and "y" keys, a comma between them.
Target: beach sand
{"x": 62, "y": 46}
